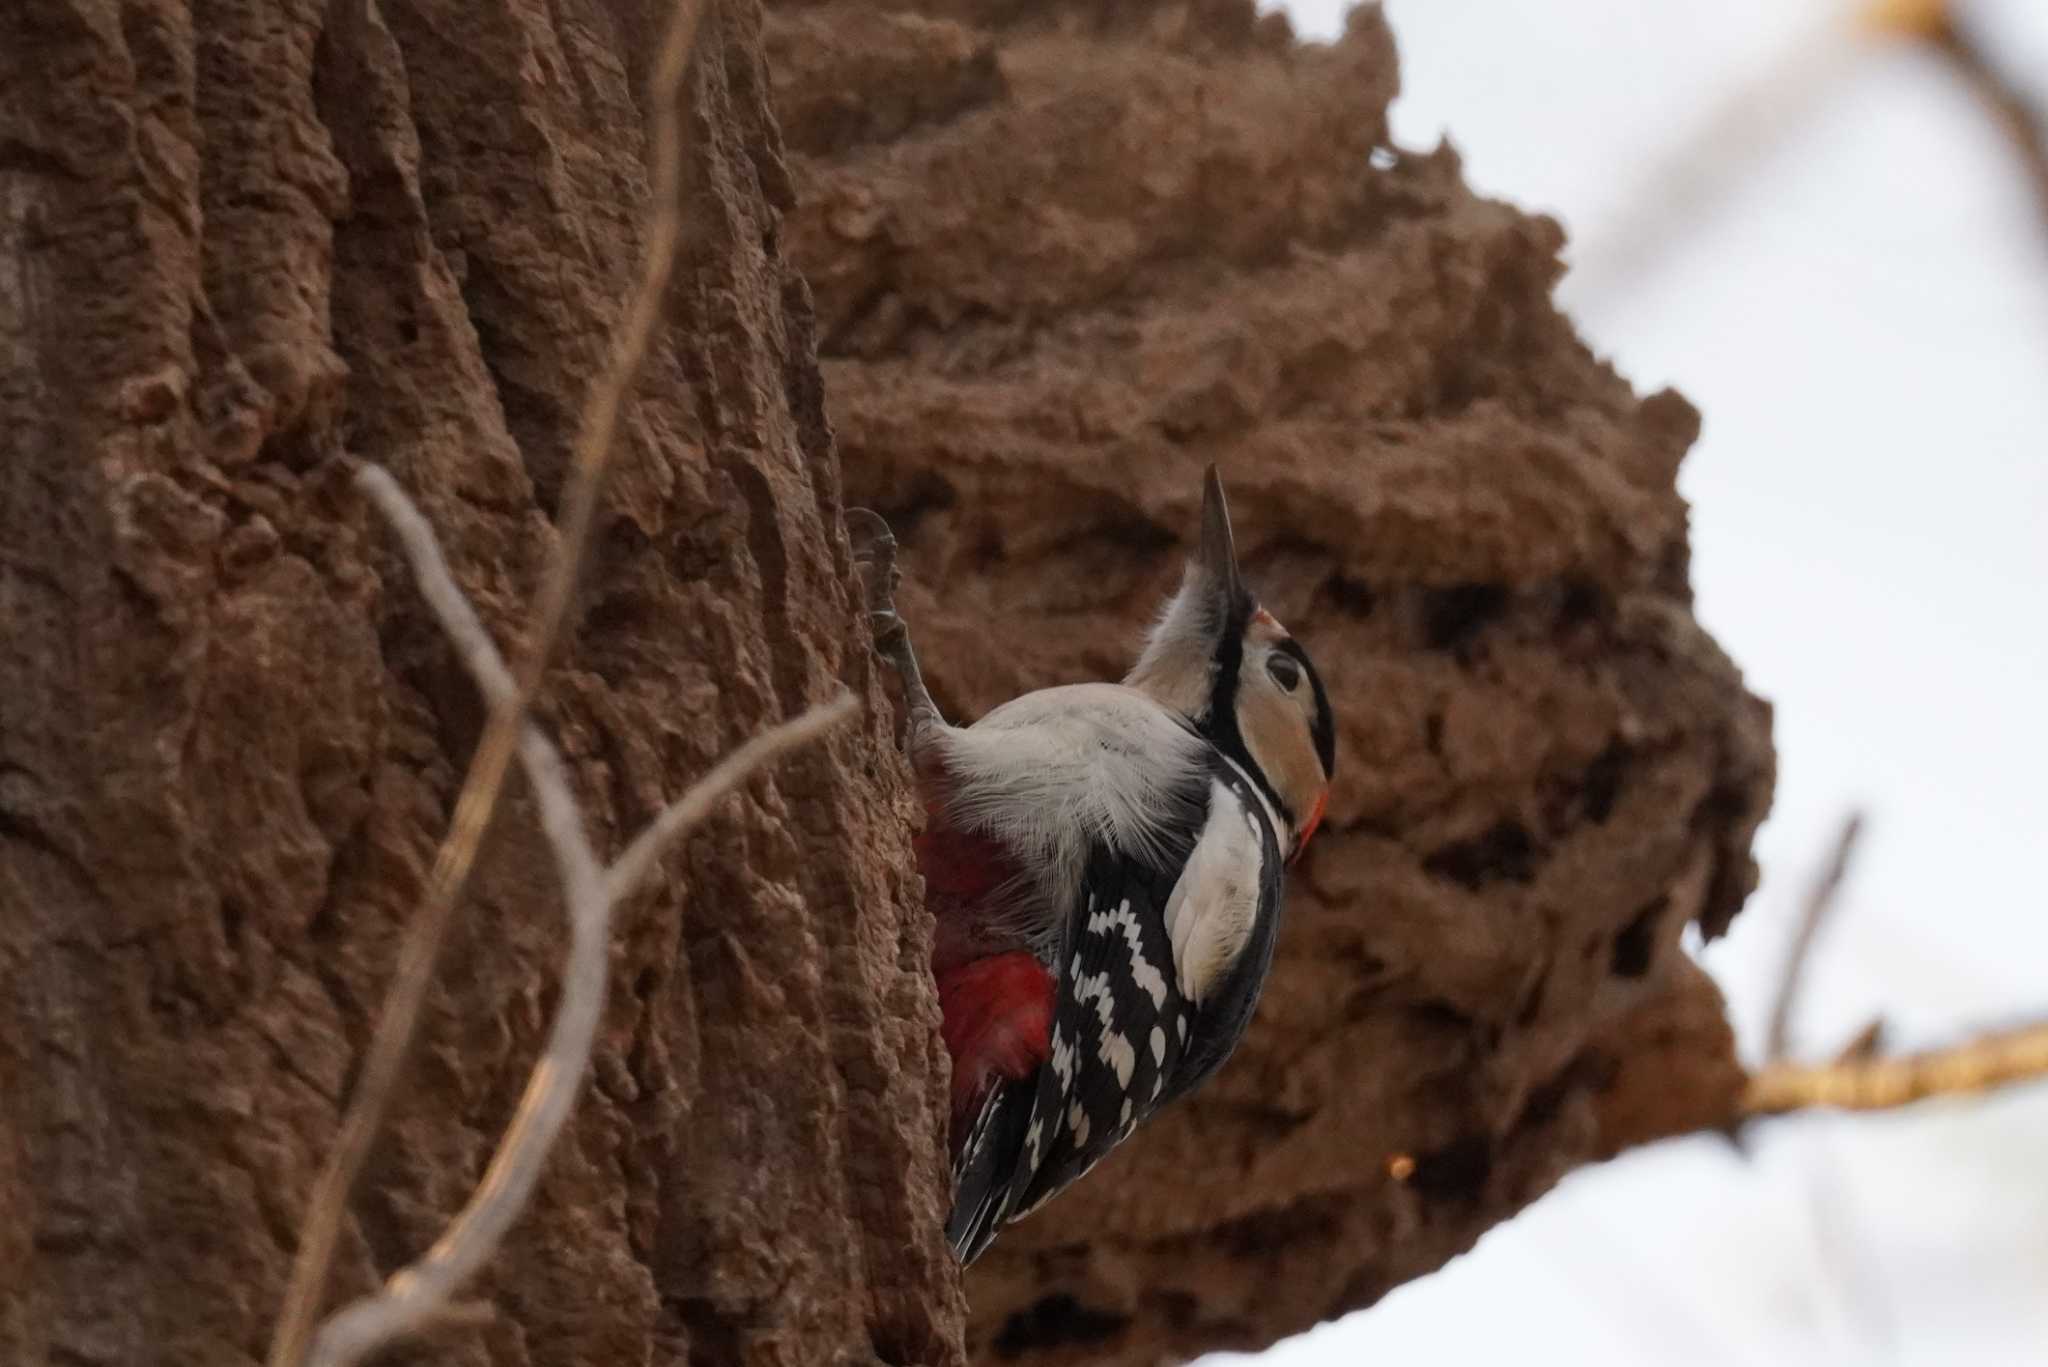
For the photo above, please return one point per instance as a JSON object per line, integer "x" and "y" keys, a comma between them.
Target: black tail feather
{"x": 984, "y": 1167}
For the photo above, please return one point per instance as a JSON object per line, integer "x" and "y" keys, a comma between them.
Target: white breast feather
{"x": 1052, "y": 772}
{"x": 1211, "y": 910}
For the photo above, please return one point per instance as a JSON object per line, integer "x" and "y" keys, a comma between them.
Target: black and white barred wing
{"x": 1118, "y": 1029}
{"x": 1129, "y": 1032}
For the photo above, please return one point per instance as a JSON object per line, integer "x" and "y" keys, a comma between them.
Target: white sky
{"x": 1861, "y": 312}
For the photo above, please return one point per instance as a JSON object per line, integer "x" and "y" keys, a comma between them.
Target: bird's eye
{"x": 1285, "y": 671}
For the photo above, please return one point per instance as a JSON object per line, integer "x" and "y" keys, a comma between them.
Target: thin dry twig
{"x": 2020, "y": 115}
{"x": 1699, "y": 170}
{"x": 629, "y": 868}
{"x": 398, "y": 1021}
{"x": 420, "y": 1295}
{"x": 1820, "y": 903}
{"x": 1976, "y": 1066}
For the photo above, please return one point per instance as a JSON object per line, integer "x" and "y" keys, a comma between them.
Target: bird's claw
{"x": 874, "y": 556}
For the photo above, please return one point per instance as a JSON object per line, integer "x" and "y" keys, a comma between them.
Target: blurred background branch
{"x": 1820, "y": 902}
{"x": 1858, "y": 1079}
{"x": 1705, "y": 166}
{"x": 1948, "y": 30}
{"x": 1982, "y": 1064}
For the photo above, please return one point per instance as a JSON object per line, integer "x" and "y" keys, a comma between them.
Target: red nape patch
{"x": 998, "y": 1023}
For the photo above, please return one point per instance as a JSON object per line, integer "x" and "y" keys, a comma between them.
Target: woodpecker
{"x": 1104, "y": 866}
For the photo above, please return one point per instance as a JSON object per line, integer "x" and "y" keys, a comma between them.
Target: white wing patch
{"x": 1118, "y": 1054}
{"x": 1215, "y": 903}
{"x": 1115, "y": 1049}
{"x": 1142, "y": 970}
{"x": 1062, "y": 1058}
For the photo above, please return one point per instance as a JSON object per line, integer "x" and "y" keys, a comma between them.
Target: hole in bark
{"x": 907, "y": 508}
{"x": 1056, "y": 1321}
{"x": 1349, "y": 595}
{"x": 1455, "y": 615}
{"x": 1600, "y": 786}
{"x": 1179, "y": 1309}
{"x": 1306, "y": 1222}
{"x": 1720, "y": 809}
{"x": 1504, "y": 852}
{"x": 891, "y": 1345}
{"x": 1455, "y": 1172}
{"x": 234, "y": 920}
{"x": 1438, "y": 1015}
{"x": 714, "y": 1337}
{"x": 1581, "y": 602}
{"x": 1587, "y": 1071}
{"x": 1636, "y": 946}
{"x": 1433, "y": 734}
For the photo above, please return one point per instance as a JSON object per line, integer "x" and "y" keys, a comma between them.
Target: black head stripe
{"x": 1229, "y": 662}
{"x": 1220, "y": 727}
{"x": 1323, "y": 729}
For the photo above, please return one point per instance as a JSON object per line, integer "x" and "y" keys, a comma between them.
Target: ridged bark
{"x": 243, "y": 242}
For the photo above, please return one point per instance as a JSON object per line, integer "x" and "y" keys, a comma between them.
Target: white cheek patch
{"x": 1214, "y": 905}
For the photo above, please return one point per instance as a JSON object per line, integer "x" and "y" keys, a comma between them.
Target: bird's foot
{"x": 874, "y": 558}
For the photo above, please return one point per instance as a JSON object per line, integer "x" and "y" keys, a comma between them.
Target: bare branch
{"x": 2019, "y": 114}
{"x": 627, "y": 871}
{"x": 1700, "y": 168}
{"x": 1979, "y": 1065}
{"x": 421, "y": 1295}
{"x": 398, "y": 1021}
{"x": 1698, "y": 171}
{"x": 1820, "y": 902}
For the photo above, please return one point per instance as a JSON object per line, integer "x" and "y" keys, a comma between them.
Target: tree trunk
{"x": 241, "y": 242}
{"x": 1064, "y": 254}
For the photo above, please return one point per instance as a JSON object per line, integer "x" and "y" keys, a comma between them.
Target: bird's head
{"x": 1219, "y": 659}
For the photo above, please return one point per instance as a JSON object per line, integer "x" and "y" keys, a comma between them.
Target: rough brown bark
{"x": 1066, "y": 254}
{"x": 239, "y": 242}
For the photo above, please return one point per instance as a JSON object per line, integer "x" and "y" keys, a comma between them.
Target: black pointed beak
{"x": 1219, "y": 549}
